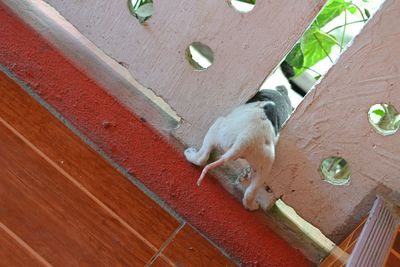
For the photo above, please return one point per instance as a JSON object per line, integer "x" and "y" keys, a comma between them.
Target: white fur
{"x": 244, "y": 133}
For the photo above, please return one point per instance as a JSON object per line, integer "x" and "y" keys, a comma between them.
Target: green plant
{"x": 252, "y": 2}
{"x": 316, "y": 44}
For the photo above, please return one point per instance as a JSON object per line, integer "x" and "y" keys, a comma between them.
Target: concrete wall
{"x": 247, "y": 47}
{"x": 332, "y": 121}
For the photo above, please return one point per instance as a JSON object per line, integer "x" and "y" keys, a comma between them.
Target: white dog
{"x": 249, "y": 132}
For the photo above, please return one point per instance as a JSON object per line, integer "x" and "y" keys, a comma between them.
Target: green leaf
{"x": 295, "y": 58}
{"x": 315, "y": 45}
{"x": 331, "y": 10}
{"x": 352, "y": 9}
{"x": 367, "y": 13}
{"x": 252, "y": 2}
{"x": 379, "y": 112}
{"x": 317, "y": 77}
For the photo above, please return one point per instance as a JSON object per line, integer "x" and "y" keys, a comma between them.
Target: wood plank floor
{"x": 61, "y": 204}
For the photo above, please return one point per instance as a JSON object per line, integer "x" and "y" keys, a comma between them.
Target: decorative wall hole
{"x": 141, "y": 9}
{"x": 243, "y": 6}
{"x": 384, "y": 118}
{"x": 335, "y": 170}
{"x": 199, "y": 56}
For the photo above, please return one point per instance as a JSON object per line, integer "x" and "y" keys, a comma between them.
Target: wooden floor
{"x": 61, "y": 204}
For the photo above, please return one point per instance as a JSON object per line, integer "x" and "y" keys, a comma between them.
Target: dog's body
{"x": 249, "y": 132}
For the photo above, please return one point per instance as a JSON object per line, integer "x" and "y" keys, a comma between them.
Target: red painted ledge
{"x": 141, "y": 150}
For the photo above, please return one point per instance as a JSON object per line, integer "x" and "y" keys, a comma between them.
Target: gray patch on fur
{"x": 278, "y": 106}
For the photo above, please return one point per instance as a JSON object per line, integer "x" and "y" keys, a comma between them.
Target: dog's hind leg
{"x": 249, "y": 199}
{"x": 261, "y": 174}
{"x": 200, "y": 157}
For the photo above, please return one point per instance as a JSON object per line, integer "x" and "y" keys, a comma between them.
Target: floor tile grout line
{"x": 216, "y": 246}
{"x": 78, "y": 185}
{"x": 26, "y": 88}
{"x": 136, "y": 182}
{"x": 164, "y": 246}
{"x": 26, "y": 246}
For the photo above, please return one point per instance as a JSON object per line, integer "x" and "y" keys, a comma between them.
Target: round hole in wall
{"x": 141, "y": 9}
{"x": 384, "y": 118}
{"x": 243, "y": 6}
{"x": 335, "y": 170}
{"x": 199, "y": 56}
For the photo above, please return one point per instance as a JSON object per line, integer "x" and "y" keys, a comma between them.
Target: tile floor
{"x": 62, "y": 204}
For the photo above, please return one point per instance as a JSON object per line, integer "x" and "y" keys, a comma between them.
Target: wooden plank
{"x": 71, "y": 154}
{"x": 12, "y": 253}
{"x": 247, "y": 47}
{"x": 55, "y": 217}
{"x": 332, "y": 121}
{"x": 189, "y": 248}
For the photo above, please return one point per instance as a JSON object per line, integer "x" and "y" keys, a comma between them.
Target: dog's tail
{"x": 209, "y": 167}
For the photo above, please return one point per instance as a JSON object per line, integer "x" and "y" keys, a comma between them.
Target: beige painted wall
{"x": 332, "y": 120}
{"x": 246, "y": 47}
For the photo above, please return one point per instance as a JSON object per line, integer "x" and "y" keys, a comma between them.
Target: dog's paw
{"x": 250, "y": 205}
{"x": 266, "y": 199}
{"x": 191, "y": 155}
